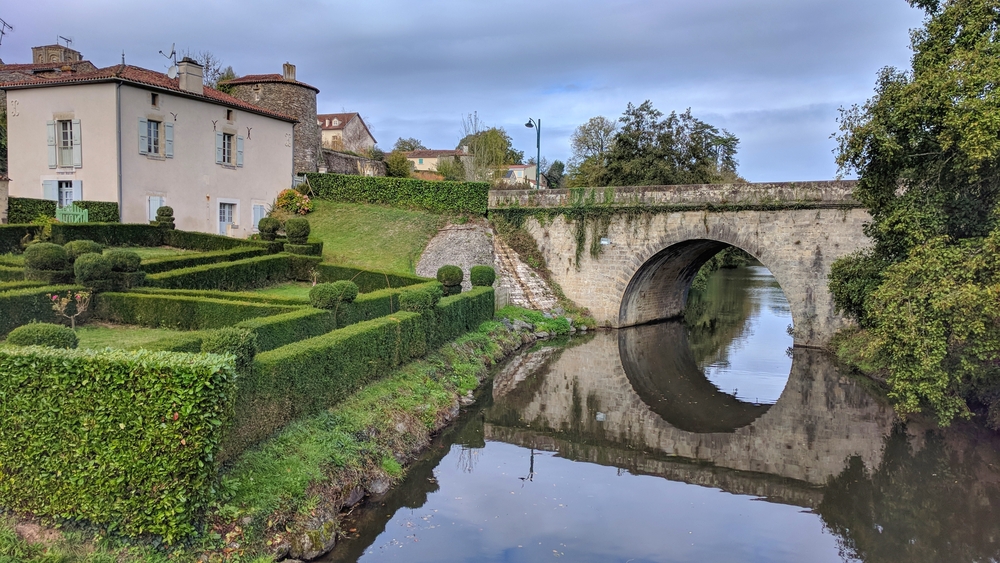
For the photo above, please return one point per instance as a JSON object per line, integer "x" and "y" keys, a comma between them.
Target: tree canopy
{"x": 408, "y": 144}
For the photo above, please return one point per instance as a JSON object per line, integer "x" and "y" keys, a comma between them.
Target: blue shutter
{"x": 50, "y": 190}
{"x": 168, "y": 137}
{"x": 258, "y": 214}
{"x": 77, "y": 190}
{"x": 143, "y": 135}
{"x": 51, "y": 139}
{"x": 239, "y": 151}
{"x": 218, "y": 147}
{"x": 77, "y": 145}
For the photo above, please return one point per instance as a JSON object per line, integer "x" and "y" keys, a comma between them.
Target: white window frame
{"x": 65, "y": 193}
{"x": 228, "y": 148}
{"x": 64, "y": 142}
{"x": 236, "y": 210}
{"x": 154, "y": 129}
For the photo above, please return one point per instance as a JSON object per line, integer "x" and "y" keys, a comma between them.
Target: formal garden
{"x": 140, "y": 359}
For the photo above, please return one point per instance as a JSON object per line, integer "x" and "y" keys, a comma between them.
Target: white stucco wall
{"x": 29, "y": 110}
{"x": 191, "y": 182}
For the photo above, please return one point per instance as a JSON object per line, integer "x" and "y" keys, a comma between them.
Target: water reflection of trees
{"x": 935, "y": 503}
{"x": 718, "y": 314}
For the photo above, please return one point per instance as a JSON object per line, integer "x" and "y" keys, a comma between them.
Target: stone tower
{"x": 284, "y": 94}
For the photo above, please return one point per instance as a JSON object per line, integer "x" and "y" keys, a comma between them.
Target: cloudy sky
{"x": 773, "y": 72}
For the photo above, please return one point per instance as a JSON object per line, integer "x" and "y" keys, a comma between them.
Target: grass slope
{"x": 373, "y": 236}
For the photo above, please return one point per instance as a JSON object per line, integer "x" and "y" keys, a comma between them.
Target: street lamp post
{"x": 538, "y": 145}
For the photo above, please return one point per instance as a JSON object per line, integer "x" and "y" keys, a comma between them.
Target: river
{"x": 710, "y": 439}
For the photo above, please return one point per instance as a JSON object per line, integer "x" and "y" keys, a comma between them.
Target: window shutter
{"x": 168, "y": 139}
{"x": 258, "y": 214}
{"x": 218, "y": 147}
{"x": 143, "y": 135}
{"x": 51, "y": 126}
{"x": 77, "y": 145}
{"x": 77, "y": 190}
{"x": 155, "y": 202}
{"x": 239, "y": 151}
{"x": 50, "y": 190}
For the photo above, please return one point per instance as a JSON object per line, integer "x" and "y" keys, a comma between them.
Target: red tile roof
{"x": 434, "y": 153}
{"x": 266, "y": 78}
{"x": 137, "y": 75}
{"x": 342, "y": 120}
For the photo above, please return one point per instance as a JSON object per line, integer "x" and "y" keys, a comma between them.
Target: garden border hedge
{"x": 367, "y": 280}
{"x": 451, "y": 197}
{"x": 238, "y": 274}
{"x": 21, "y": 306}
{"x": 158, "y": 265}
{"x": 178, "y": 311}
{"x": 26, "y": 209}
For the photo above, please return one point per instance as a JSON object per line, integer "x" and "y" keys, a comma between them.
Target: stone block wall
{"x": 296, "y": 101}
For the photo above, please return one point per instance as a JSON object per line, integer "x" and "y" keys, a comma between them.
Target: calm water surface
{"x": 704, "y": 440}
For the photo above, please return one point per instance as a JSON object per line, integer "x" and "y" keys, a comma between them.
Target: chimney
{"x": 190, "y": 76}
{"x": 289, "y": 72}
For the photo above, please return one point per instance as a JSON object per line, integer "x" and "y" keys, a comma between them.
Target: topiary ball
{"x": 241, "y": 343}
{"x": 297, "y": 230}
{"x": 482, "y": 276}
{"x": 77, "y": 248}
{"x": 164, "y": 212}
{"x": 269, "y": 227}
{"x": 329, "y": 295}
{"x": 420, "y": 299}
{"x": 124, "y": 260}
{"x": 45, "y": 256}
{"x": 92, "y": 270}
{"x": 450, "y": 275}
{"x": 43, "y": 334}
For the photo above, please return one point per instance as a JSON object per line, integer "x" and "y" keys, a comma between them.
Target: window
{"x": 153, "y": 137}
{"x": 65, "y": 193}
{"x": 156, "y": 138}
{"x": 227, "y": 213}
{"x": 154, "y": 99}
{"x": 64, "y": 143}
{"x": 420, "y": 161}
{"x": 259, "y": 212}
{"x": 155, "y": 202}
{"x": 227, "y": 148}
{"x": 229, "y": 115}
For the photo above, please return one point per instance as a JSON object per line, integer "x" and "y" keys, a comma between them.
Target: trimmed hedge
{"x": 43, "y": 334}
{"x": 19, "y": 284}
{"x": 331, "y": 295}
{"x": 93, "y": 271}
{"x": 297, "y": 230}
{"x": 21, "y": 306}
{"x": 177, "y": 311}
{"x": 11, "y": 235}
{"x": 100, "y": 211}
{"x": 482, "y": 276}
{"x": 453, "y": 197}
{"x": 120, "y": 438}
{"x": 278, "y": 330}
{"x": 157, "y": 265}
{"x": 124, "y": 260}
{"x": 209, "y": 242}
{"x": 310, "y": 249}
{"x": 461, "y": 313}
{"x": 307, "y": 376}
{"x": 45, "y": 256}
{"x": 181, "y": 342}
{"x": 367, "y": 280}
{"x": 269, "y": 227}
{"x": 8, "y": 273}
{"x": 77, "y": 248}
{"x": 240, "y": 274}
{"x": 26, "y": 209}
{"x": 241, "y": 343}
{"x": 108, "y": 234}
{"x": 245, "y": 296}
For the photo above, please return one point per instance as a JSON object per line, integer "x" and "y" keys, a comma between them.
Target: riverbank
{"x": 285, "y": 498}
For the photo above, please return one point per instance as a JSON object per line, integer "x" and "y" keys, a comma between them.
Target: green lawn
{"x": 99, "y": 336}
{"x": 147, "y": 252}
{"x": 373, "y": 237}
{"x": 294, "y": 290}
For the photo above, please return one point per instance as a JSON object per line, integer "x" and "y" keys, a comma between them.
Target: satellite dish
{"x": 172, "y": 72}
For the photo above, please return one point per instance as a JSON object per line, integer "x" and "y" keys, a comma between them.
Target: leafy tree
{"x": 926, "y": 147}
{"x": 451, "y": 168}
{"x": 554, "y": 174}
{"x": 212, "y": 69}
{"x": 227, "y": 74}
{"x": 491, "y": 149}
{"x": 590, "y": 143}
{"x": 408, "y": 144}
{"x": 396, "y": 165}
{"x": 680, "y": 149}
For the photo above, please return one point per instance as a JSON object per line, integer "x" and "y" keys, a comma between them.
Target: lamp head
{"x": 529, "y": 124}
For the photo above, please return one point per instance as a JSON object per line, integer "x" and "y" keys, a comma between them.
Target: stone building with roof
{"x": 137, "y": 137}
{"x": 345, "y": 132}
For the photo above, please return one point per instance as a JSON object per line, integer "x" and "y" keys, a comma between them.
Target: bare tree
{"x": 212, "y": 68}
{"x": 490, "y": 148}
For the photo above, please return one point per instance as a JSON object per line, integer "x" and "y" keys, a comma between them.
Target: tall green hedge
{"x": 11, "y": 235}
{"x": 246, "y": 296}
{"x": 10, "y": 273}
{"x": 157, "y": 265}
{"x": 304, "y": 377}
{"x": 177, "y": 311}
{"x": 21, "y": 306}
{"x": 108, "y": 234}
{"x": 462, "y": 313}
{"x": 367, "y": 280}
{"x": 205, "y": 241}
{"x": 116, "y": 438}
{"x": 453, "y": 197}
{"x": 240, "y": 274}
{"x": 26, "y": 210}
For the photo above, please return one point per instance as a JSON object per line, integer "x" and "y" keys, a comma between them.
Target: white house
{"x": 345, "y": 132}
{"x": 142, "y": 139}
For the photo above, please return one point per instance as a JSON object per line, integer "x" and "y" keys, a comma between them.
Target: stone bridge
{"x": 629, "y": 254}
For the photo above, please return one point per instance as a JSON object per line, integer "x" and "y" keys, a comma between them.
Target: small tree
{"x": 397, "y": 165}
{"x": 71, "y": 306}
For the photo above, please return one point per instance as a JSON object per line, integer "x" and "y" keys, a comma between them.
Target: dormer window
{"x": 336, "y": 122}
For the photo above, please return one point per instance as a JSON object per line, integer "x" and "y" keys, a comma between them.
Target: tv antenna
{"x": 67, "y": 40}
{"x": 172, "y": 72}
{"x": 4, "y": 27}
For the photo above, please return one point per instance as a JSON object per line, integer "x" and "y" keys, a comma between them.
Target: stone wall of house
{"x": 341, "y": 163}
{"x": 296, "y": 101}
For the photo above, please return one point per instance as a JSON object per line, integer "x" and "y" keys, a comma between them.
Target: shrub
{"x": 164, "y": 212}
{"x": 482, "y": 276}
{"x": 108, "y": 234}
{"x": 93, "y": 271}
{"x": 26, "y": 210}
{"x": 293, "y": 202}
{"x": 43, "y": 334}
{"x": 397, "y": 165}
{"x": 269, "y": 227}
{"x": 297, "y": 230}
{"x": 237, "y": 275}
{"x": 241, "y": 343}
{"x": 45, "y": 256}
{"x": 330, "y": 295}
{"x": 367, "y": 280}
{"x": 22, "y": 306}
{"x": 452, "y": 197}
{"x": 157, "y": 265}
{"x": 136, "y": 451}
{"x": 124, "y": 260}
{"x": 310, "y": 249}
{"x": 450, "y": 275}
{"x": 77, "y": 248}
{"x": 11, "y": 235}
{"x": 420, "y": 299}
{"x": 179, "y": 311}
{"x": 100, "y": 211}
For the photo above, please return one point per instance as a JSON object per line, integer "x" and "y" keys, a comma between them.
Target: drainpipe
{"x": 118, "y": 117}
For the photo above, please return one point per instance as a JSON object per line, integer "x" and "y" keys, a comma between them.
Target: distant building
{"x": 345, "y": 132}
{"x": 522, "y": 174}
{"x": 139, "y": 138}
{"x": 428, "y": 159}
{"x": 283, "y": 94}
